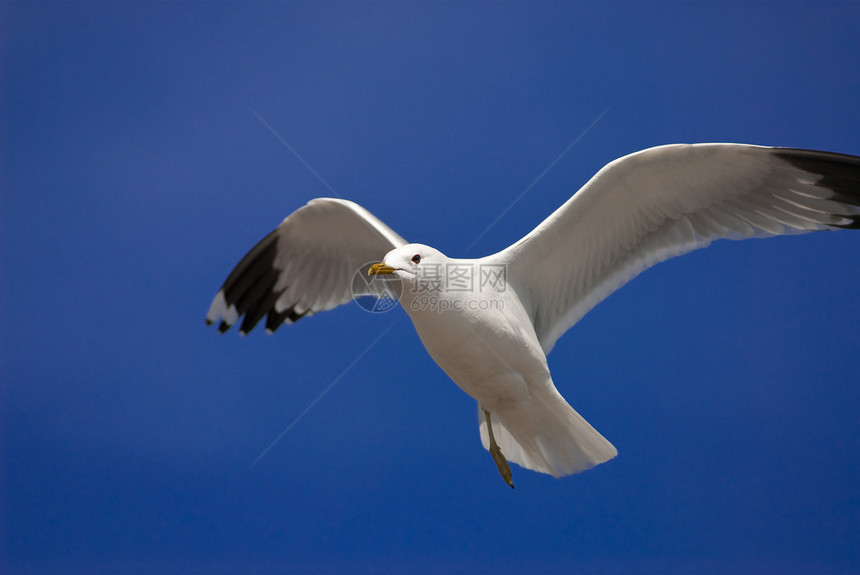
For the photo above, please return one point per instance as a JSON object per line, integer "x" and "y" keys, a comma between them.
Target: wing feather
{"x": 304, "y": 266}
{"x": 667, "y": 201}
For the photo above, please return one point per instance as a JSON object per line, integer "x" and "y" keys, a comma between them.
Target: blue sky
{"x": 137, "y": 168}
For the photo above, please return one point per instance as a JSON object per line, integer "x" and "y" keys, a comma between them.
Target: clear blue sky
{"x": 136, "y": 171}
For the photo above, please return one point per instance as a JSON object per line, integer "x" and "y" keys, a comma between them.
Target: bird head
{"x": 407, "y": 262}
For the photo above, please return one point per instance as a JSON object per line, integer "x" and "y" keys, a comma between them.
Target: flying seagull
{"x": 490, "y": 322}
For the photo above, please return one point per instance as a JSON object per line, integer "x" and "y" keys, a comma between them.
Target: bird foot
{"x": 502, "y": 464}
{"x": 496, "y": 452}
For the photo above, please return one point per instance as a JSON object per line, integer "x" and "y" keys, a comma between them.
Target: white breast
{"x": 487, "y": 345}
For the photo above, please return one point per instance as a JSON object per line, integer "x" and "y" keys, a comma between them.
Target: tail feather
{"x": 546, "y": 435}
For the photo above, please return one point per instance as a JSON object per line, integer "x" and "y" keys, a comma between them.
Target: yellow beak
{"x": 380, "y": 268}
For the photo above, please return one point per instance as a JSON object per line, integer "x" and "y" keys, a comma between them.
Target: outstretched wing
{"x": 304, "y": 266}
{"x": 666, "y": 201}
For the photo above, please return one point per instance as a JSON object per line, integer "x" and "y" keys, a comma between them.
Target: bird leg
{"x": 496, "y": 452}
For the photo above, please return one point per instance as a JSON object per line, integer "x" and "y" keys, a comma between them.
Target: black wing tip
{"x": 249, "y": 290}
{"x": 258, "y": 257}
{"x": 801, "y": 155}
{"x": 276, "y": 319}
{"x": 839, "y": 173}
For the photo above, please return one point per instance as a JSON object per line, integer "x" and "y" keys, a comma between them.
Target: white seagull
{"x": 489, "y": 322}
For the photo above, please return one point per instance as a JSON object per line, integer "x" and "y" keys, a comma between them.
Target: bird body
{"x": 490, "y": 322}
{"x": 512, "y": 381}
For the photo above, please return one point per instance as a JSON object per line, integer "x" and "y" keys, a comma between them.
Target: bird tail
{"x": 546, "y": 435}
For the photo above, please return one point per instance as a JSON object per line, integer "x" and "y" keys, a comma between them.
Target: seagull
{"x": 490, "y": 322}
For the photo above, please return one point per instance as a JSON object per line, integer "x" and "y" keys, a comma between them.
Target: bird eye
{"x": 416, "y": 258}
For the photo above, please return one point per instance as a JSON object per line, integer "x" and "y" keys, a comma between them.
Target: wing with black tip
{"x": 663, "y": 202}
{"x": 304, "y": 266}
